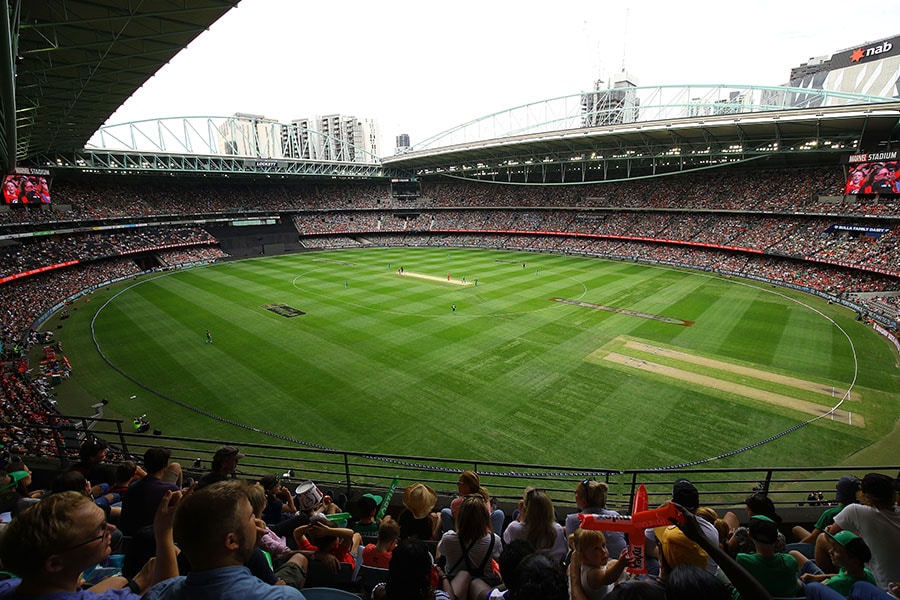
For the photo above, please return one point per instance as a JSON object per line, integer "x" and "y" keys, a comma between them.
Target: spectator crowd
{"x": 147, "y": 529}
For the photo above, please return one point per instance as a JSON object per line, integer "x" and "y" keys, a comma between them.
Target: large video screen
{"x": 874, "y": 178}
{"x": 26, "y": 189}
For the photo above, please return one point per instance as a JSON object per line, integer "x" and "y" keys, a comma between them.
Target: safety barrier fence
{"x": 352, "y": 473}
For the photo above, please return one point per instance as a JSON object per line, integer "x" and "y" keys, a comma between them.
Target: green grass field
{"x": 380, "y": 363}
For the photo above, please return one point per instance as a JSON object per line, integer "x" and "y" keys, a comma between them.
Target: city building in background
{"x": 611, "y": 105}
{"x": 402, "y": 143}
{"x": 870, "y": 68}
{"x": 250, "y": 135}
{"x": 343, "y": 138}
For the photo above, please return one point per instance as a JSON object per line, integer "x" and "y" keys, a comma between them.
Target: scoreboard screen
{"x": 25, "y": 189}
{"x": 874, "y": 178}
{"x": 405, "y": 188}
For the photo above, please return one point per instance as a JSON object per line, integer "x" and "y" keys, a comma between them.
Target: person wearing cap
{"x": 876, "y": 521}
{"x": 847, "y": 487}
{"x": 688, "y": 580}
{"x": 14, "y": 494}
{"x": 685, "y": 494}
{"x": 417, "y": 519}
{"x": 757, "y": 503}
{"x": 224, "y": 464}
{"x": 850, "y": 553}
{"x": 776, "y": 571}
{"x": 366, "y": 510}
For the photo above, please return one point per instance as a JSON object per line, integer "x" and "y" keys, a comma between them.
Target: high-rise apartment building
{"x": 402, "y": 144}
{"x": 250, "y": 135}
{"x": 342, "y": 138}
{"x": 611, "y": 106}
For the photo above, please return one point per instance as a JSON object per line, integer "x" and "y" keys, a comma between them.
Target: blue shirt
{"x": 226, "y": 583}
{"x": 8, "y": 592}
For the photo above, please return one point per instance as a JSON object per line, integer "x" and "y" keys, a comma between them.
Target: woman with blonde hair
{"x": 537, "y": 525}
{"x": 590, "y": 498}
{"x": 290, "y": 566}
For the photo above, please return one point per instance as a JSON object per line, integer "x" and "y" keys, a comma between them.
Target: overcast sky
{"x": 423, "y": 67}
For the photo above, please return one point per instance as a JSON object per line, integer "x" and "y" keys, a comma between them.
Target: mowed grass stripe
{"x": 756, "y": 335}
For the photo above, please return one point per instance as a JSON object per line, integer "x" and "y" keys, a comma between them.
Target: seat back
{"x": 318, "y": 575}
{"x": 372, "y": 576}
{"x": 327, "y": 593}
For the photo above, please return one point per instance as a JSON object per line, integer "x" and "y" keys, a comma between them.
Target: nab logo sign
{"x": 858, "y": 54}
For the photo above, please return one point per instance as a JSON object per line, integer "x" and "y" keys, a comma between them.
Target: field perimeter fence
{"x": 354, "y": 473}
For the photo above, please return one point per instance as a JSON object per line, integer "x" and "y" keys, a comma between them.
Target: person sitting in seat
{"x": 417, "y": 518}
{"x": 410, "y": 575}
{"x": 331, "y": 545}
{"x": 847, "y": 488}
{"x": 50, "y": 544}
{"x": 590, "y": 498}
{"x": 850, "y": 554}
{"x": 876, "y": 521}
{"x": 591, "y": 569}
{"x": 216, "y": 529}
{"x": 472, "y": 547}
{"x": 776, "y": 571}
{"x": 224, "y": 464}
{"x": 470, "y": 484}
{"x": 379, "y": 554}
{"x": 289, "y": 565}
{"x": 537, "y": 525}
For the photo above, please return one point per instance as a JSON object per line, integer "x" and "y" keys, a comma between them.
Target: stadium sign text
{"x": 32, "y": 171}
{"x": 858, "y": 54}
{"x": 869, "y": 157}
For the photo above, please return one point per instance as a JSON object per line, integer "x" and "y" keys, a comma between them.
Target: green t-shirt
{"x": 843, "y": 581}
{"x": 827, "y": 517}
{"x": 778, "y": 574}
{"x": 367, "y": 528}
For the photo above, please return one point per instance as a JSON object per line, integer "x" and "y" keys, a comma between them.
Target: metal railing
{"x": 354, "y": 473}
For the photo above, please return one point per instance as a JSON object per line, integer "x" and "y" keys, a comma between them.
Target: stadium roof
{"x": 72, "y": 63}
{"x": 624, "y": 151}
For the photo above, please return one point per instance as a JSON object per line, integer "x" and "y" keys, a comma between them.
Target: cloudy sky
{"x": 423, "y": 67}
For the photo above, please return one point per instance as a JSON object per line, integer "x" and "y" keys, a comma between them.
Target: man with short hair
{"x": 52, "y": 542}
{"x": 139, "y": 505}
{"x": 143, "y": 496}
{"x": 224, "y": 463}
{"x": 216, "y": 529}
